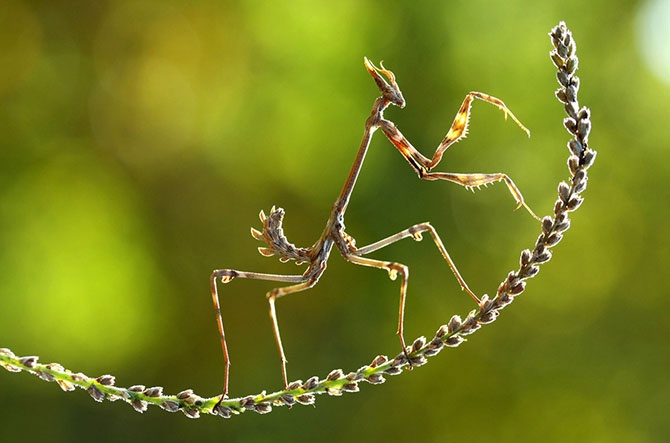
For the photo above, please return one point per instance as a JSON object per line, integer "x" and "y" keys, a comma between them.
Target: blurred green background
{"x": 139, "y": 140}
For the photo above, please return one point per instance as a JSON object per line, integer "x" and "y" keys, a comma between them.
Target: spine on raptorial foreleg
{"x": 273, "y": 235}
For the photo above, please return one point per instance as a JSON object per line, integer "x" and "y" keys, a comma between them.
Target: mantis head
{"x": 389, "y": 89}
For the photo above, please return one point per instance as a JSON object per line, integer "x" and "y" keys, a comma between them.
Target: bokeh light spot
{"x": 653, "y": 37}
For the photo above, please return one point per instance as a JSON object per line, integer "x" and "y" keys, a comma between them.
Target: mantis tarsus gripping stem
{"x": 334, "y": 233}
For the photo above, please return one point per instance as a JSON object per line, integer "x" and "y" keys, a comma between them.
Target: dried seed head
{"x": 434, "y": 347}
{"x": 306, "y": 399}
{"x": 55, "y": 367}
{"x": 417, "y": 360}
{"x": 581, "y": 174}
{"x": 584, "y": 128}
{"x": 518, "y": 289}
{"x": 588, "y": 158}
{"x": 399, "y": 360}
{"x": 156, "y": 391}
{"x": 375, "y": 379}
{"x": 564, "y": 226}
{"x": 11, "y": 368}
{"x": 576, "y": 147}
{"x": 65, "y": 385}
{"x": 553, "y": 239}
{"x": 454, "y": 341}
{"x": 350, "y": 387}
{"x": 222, "y": 411}
{"x": 557, "y": 59}
{"x": 418, "y": 344}
{"x": 294, "y": 385}
{"x": 484, "y": 303}
{"x": 575, "y": 202}
{"x": 7, "y": 352}
{"x": 564, "y": 191}
{"x": 287, "y": 399}
{"x": 571, "y": 125}
{"x": 106, "y": 380}
{"x": 571, "y": 108}
{"x": 378, "y": 361}
{"x": 247, "y": 402}
{"x": 573, "y": 164}
{"x": 311, "y": 383}
{"x": 335, "y": 374}
{"x": 574, "y": 83}
{"x": 334, "y": 392}
{"x": 561, "y": 95}
{"x": 137, "y": 388}
{"x": 263, "y": 408}
{"x": 571, "y": 92}
{"x": 512, "y": 278}
{"x": 503, "y": 287}
{"x": 393, "y": 370}
{"x": 488, "y": 317}
{"x": 169, "y": 405}
{"x": 571, "y": 65}
{"x": 584, "y": 112}
{"x": 183, "y": 395}
{"x": 29, "y": 362}
{"x": 442, "y": 331}
{"x": 79, "y": 377}
{"x": 95, "y": 393}
{"x": 543, "y": 257}
{"x": 454, "y": 323}
{"x": 530, "y": 271}
{"x": 503, "y": 300}
{"x": 46, "y": 376}
{"x": 354, "y": 376}
{"x": 191, "y": 412}
{"x": 558, "y": 207}
{"x": 470, "y": 325}
{"x": 139, "y": 405}
{"x": 579, "y": 186}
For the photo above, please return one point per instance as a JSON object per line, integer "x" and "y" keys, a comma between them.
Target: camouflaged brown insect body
{"x": 334, "y": 234}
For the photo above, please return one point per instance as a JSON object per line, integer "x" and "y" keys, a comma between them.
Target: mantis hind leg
{"x": 226, "y": 276}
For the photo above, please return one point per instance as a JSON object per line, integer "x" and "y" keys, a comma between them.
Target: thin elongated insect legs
{"x": 422, "y": 165}
{"x": 459, "y": 128}
{"x": 396, "y": 268}
{"x": 227, "y": 275}
{"x": 317, "y": 255}
{"x": 415, "y": 233}
{"x": 472, "y": 180}
{"x": 393, "y": 269}
{"x": 272, "y": 296}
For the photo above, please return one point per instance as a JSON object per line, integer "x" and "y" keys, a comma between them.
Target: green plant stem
{"x": 452, "y": 334}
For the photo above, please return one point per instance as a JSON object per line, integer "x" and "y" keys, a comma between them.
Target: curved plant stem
{"x": 452, "y": 334}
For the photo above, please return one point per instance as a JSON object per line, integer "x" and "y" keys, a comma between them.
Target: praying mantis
{"x": 334, "y": 234}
